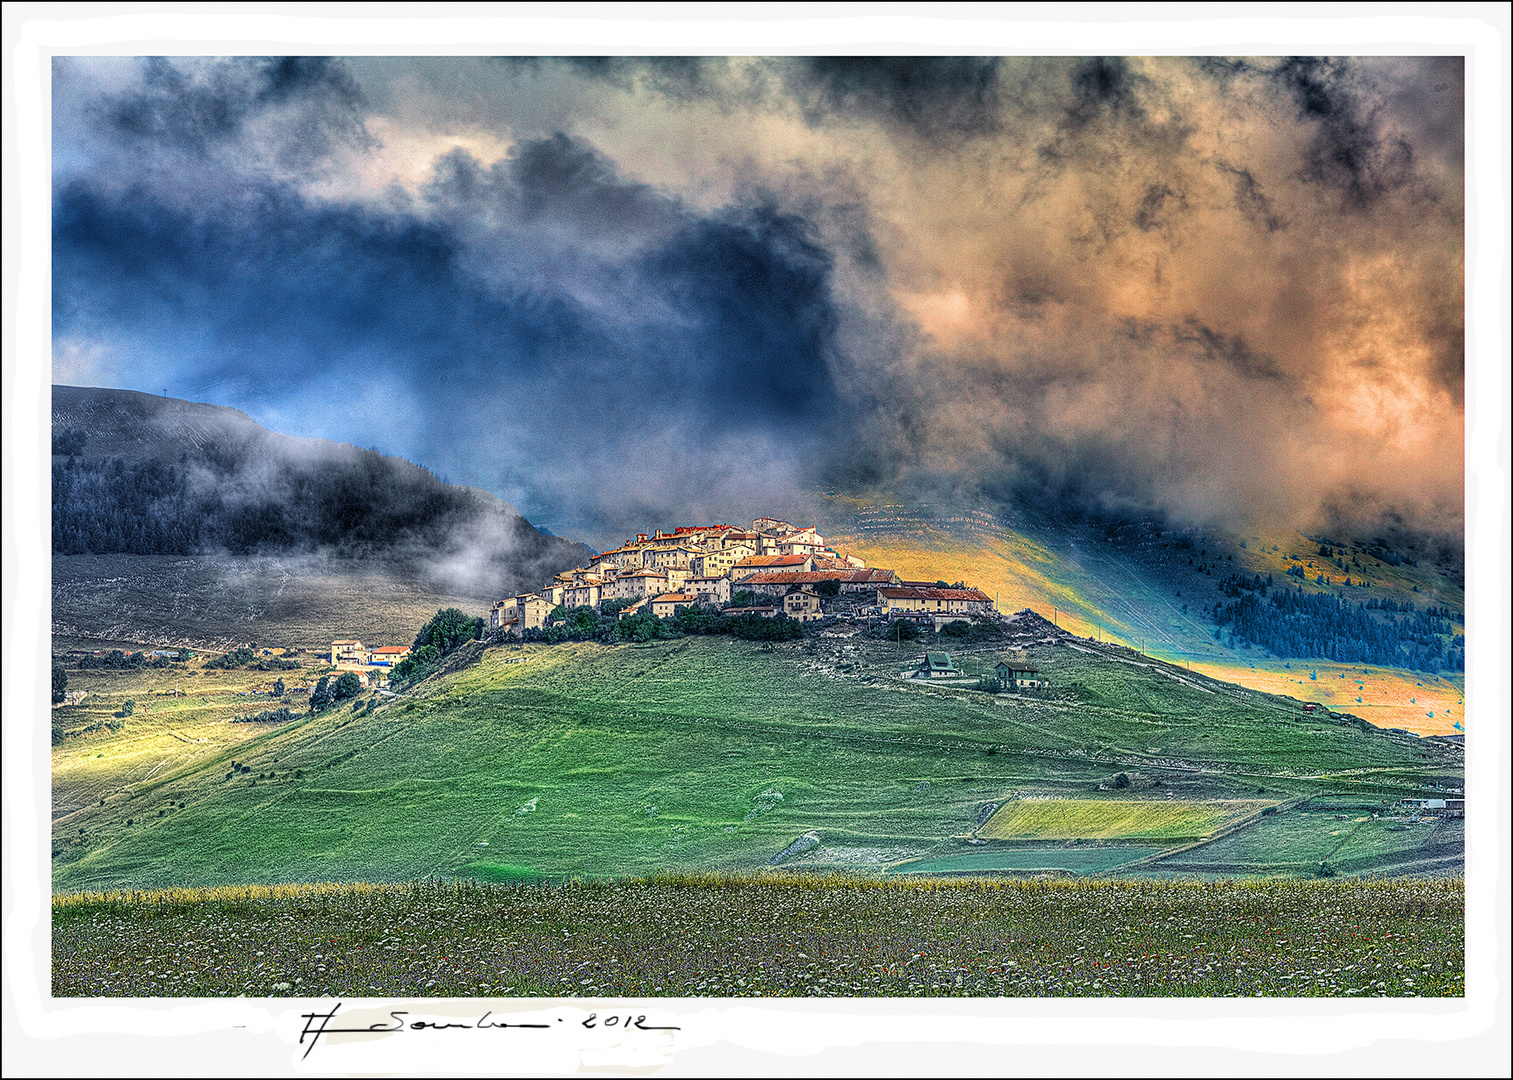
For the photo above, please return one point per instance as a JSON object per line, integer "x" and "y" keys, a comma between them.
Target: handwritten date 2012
{"x": 318, "y": 1024}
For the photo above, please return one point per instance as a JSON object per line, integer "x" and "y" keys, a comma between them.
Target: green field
{"x": 1306, "y": 837}
{"x": 772, "y": 935}
{"x": 1077, "y": 860}
{"x": 1112, "y": 819}
{"x": 692, "y": 754}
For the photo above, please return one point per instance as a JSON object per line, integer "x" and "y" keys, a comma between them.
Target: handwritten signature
{"x": 318, "y": 1024}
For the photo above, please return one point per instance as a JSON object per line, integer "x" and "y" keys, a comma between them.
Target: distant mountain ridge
{"x": 134, "y": 473}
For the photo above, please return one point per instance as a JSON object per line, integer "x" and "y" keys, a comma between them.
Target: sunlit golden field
{"x": 1104, "y": 819}
{"x": 1389, "y": 698}
{"x": 1099, "y": 598}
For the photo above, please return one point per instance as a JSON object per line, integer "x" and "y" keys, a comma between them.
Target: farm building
{"x": 936, "y": 665}
{"x": 1449, "y": 807}
{"x": 766, "y": 611}
{"x": 387, "y": 655}
{"x": 934, "y": 601}
{"x": 1018, "y": 676}
{"x": 348, "y": 654}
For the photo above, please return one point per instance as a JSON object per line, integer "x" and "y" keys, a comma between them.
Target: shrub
{"x": 420, "y": 663}
{"x": 234, "y": 659}
{"x": 269, "y": 716}
{"x": 903, "y": 630}
{"x": 348, "y": 685}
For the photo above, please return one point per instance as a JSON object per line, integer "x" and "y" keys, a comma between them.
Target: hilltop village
{"x": 769, "y": 570}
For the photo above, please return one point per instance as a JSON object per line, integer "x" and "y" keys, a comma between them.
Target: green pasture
{"x": 588, "y": 760}
{"x": 1310, "y": 836}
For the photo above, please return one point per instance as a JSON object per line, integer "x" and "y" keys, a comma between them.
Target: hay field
{"x": 1113, "y": 819}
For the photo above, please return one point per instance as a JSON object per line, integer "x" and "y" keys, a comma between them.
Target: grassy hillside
{"x": 696, "y": 754}
{"x": 1151, "y": 587}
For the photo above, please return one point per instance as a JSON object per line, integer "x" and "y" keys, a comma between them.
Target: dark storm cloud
{"x": 1153, "y": 210}
{"x": 1348, "y": 152}
{"x": 930, "y": 97}
{"x": 567, "y": 177}
{"x": 632, "y": 289}
{"x": 733, "y": 335}
{"x": 200, "y": 106}
{"x": 1105, "y": 115}
{"x": 1102, "y": 86}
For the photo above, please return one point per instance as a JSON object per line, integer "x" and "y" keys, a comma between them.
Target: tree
{"x": 347, "y": 686}
{"x": 60, "y": 683}
{"x": 320, "y": 697}
{"x": 69, "y": 441}
{"x": 278, "y": 688}
{"x": 448, "y": 629}
{"x": 127, "y": 707}
{"x": 903, "y": 630}
{"x": 418, "y": 663}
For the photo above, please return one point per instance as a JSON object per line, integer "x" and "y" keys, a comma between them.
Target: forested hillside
{"x": 1291, "y": 623}
{"x": 141, "y": 475}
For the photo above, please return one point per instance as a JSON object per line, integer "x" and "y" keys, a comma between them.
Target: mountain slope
{"x": 202, "y": 489}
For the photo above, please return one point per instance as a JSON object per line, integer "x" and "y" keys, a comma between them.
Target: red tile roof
{"x": 813, "y": 577}
{"x": 935, "y": 594}
{"x": 771, "y": 560}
